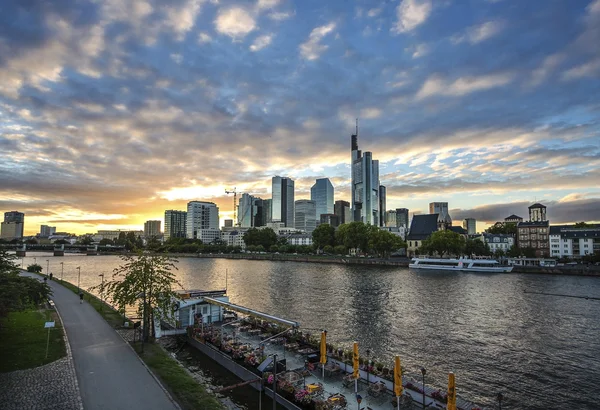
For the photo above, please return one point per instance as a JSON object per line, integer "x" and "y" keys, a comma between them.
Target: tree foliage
{"x": 265, "y": 237}
{"x": 582, "y": 225}
{"x": 443, "y": 243}
{"x": 508, "y": 228}
{"x": 475, "y": 247}
{"x": 144, "y": 281}
{"x": 323, "y": 235}
{"x": 18, "y": 292}
{"x": 383, "y": 242}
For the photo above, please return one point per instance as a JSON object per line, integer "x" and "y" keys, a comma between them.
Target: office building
{"x": 382, "y": 205}
{"x": 470, "y": 224}
{"x": 282, "y": 205}
{"x": 175, "y": 224}
{"x": 13, "y": 225}
{"x": 203, "y": 221}
{"x": 251, "y": 212}
{"x": 390, "y": 219}
{"x": 306, "y": 215}
{"x": 343, "y": 211}
{"x": 152, "y": 229}
{"x": 267, "y": 207}
{"x": 330, "y": 219}
{"x": 322, "y": 193}
{"x": 365, "y": 185}
{"x": 46, "y": 231}
{"x": 571, "y": 242}
{"x": 402, "y": 217}
{"x": 228, "y": 223}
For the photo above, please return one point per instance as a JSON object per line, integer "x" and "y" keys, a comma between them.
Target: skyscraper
{"x": 203, "y": 221}
{"x": 46, "y": 231}
{"x": 342, "y": 210}
{"x": 382, "y": 205}
{"x": 402, "y": 217}
{"x": 470, "y": 224}
{"x": 306, "y": 215}
{"x": 322, "y": 193}
{"x": 365, "y": 185}
{"x": 175, "y": 224}
{"x": 13, "y": 224}
{"x": 251, "y": 212}
{"x": 282, "y": 206}
{"x": 151, "y": 229}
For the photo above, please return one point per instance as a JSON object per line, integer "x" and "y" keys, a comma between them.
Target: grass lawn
{"x": 23, "y": 340}
{"x": 182, "y": 386}
{"x": 114, "y": 318}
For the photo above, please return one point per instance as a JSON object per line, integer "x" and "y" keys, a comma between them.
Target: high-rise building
{"x": 441, "y": 208}
{"x": 152, "y": 229}
{"x": 266, "y": 211}
{"x": 382, "y": 204}
{"x": 203, "y": 221}
{"x": 228, "y": 223}
{"x": 390, "y": 219}
{"x": 343, "y": 211}
{"x": 282, "y": 206}
{"x": 470, "y": 225}
{"x": 175, "y": 224}
{"x": 46, "y": 231}
{"x": 251, "y": 212}
{"x": 322, "y": 193}
{"x": 365, "y": 185}
{"x": 330, "y": 219}
{"x": 13, "y": 224}
{"x": 402, "y": 217}
{"x": 306, "y": 215}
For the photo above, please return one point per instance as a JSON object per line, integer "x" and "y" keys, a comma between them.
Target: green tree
{"x": 509, "y": 228}
{"x": 444, "y": 242}
{"x": 499, "y": 253}
{"x": 274, "y": 248}
{"x": 18, "y": 292}
{"x": 383, "y": 242}
{"x": 36, "y": 268}
{"x": 528, "y": 252}
{"x": 104, "y": 242}
{"x": 582, "y": 225}
{"x": 475, "y": 247}
{"x": 147, "y": 282}
{"x": 340, "y": 250}
{"x": 85, "y": 240}
{"x": 323, "y": 235}
{"x": 328, "y": 249}
{"x": 31, "y": 241}
{"x": 353, "y": 235}
{"x": 513, "y": 252}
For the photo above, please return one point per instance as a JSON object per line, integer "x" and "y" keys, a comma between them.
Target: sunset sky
{"x": 113, "y": 111}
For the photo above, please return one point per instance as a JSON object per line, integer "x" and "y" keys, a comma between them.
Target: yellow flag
{"x": 323, "y": 347}
{"x": 397, "y": 377}
{"x": 451, "y": 392}
{"x": 356, "y": 374}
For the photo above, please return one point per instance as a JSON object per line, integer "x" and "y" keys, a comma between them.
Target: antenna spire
{"x": 357, "y": 127}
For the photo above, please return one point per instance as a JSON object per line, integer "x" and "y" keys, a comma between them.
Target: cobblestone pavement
{"x": 52, "y": 386}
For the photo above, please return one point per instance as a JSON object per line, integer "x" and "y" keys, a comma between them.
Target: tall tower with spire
{"x": 365, "y": 184}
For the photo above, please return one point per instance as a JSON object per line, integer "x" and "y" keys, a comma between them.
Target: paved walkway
{"x": 109, "y": 372}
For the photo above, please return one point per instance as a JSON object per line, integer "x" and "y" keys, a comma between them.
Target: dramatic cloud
{"x": 113, "y": 111}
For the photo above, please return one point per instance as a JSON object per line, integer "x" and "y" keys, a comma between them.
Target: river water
{"x": 541, "y": 352}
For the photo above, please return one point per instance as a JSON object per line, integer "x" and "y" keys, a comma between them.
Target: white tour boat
{"x": 462, "y": 265}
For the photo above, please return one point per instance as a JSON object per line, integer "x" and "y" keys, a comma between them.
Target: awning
{"x": 252, "y": 312}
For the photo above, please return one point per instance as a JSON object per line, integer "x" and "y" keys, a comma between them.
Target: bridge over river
{"x": 60, "y": 249}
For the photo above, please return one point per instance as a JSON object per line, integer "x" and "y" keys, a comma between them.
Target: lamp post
{"x": 500, "y": 397}
{"x": 367, "y": 368}
{"x": 34, "y": 260}
{"x": 102, "y": 294}
{"x": 274, "y": 382}
{"x": 78, "y": 279}
{"x": 423, "y": 372}
{"x": 47, "y": 267}
{"x": 62, "y": 270}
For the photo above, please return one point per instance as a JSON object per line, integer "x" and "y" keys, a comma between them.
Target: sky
{"x": 112, "y": 112}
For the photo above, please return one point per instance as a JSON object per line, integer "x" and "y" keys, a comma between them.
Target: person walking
{"x": 80, "y": 297}
{"x": 50, "y": 275}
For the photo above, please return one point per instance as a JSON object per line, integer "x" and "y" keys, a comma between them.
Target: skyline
{"x": 113, "y": 112}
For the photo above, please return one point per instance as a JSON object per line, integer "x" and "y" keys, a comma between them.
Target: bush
{"x": 34, "y": 268}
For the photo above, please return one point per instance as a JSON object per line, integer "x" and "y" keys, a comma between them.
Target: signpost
{"x": 48, "y": 325}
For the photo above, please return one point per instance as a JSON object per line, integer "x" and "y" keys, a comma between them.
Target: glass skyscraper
{"x": 175, "y": 224}
{"x": 306, "y": 215}
{"x": 282, "y": 205}
{"x": 365, "y": 185}
{"x": 322, "y": 193}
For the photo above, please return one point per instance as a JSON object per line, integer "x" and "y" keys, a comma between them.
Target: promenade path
{"x": 110, "y": 374}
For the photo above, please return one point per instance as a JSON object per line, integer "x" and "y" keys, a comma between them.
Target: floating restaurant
{"x": 301, "y": 370}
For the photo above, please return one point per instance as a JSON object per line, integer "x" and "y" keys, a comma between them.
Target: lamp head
{"x": 423, "y": 371}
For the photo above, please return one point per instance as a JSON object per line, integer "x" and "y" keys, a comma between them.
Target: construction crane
{"x": 234, "y": 192}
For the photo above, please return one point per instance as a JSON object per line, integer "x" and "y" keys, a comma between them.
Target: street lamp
{"x": 47, "y": 266}
{"x": 368, "y": 362}
{"x": 102, "y": 294}
{"x": 423, "y": 372}
{"x": 274, "y": 382}
{"x": 78, "y": 279}
{"x": 34, "y": 260}
{"x": 500, "y": 397}
{"x": 62, "y": 270}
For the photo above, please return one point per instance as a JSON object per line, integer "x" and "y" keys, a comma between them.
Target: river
{"x": 541, "y": 352}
